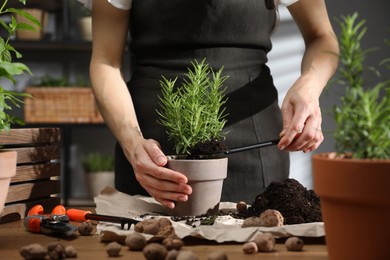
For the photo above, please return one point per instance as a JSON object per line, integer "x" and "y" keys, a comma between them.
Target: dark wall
{"x": 376, "y": 13}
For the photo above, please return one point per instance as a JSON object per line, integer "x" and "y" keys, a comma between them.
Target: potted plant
{"x": 85, "y": 24}
{"x": 10, "y": 99}
{"x": 193, "y": 116}
{"x": 99, "y": 171}
{"x": 352, "y": 183}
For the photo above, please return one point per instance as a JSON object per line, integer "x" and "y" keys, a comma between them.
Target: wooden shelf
{"x": 66, "y": 46}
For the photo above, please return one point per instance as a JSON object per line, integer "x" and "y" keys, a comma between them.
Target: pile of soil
{"x": 296, "y": 203}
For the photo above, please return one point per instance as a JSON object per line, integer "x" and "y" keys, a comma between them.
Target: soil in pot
{"x": 296, "y": 203}
{"x": 207, "y": 149}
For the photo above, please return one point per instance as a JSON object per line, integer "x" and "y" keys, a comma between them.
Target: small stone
{"x": 265, "y": 242}
{"x": 154, "y": 251}
{"x": 70, "y": 252}
{"x": 271, "y": 218}
{"x": 172, "y": 254}
{"x": 241, "y": 206}
{"x": 113, "y": 249}
{"x": 135, "y": 241}
{"x": 56, "y": 250}
{"x": 85, "y": 228}
{"x": 173, "y": 243}
{"x": 33, "y": 251}
{"x": 294, "y": 244}
{"x": 250, "y": 248}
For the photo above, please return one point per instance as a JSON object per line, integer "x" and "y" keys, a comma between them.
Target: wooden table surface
{"x": 13, "y": 236}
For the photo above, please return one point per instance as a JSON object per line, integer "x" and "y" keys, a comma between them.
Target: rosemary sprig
{"x": 193, "y": 113}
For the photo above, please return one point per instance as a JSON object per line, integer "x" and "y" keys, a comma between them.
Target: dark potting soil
{"x": 208, "y": 149}
{"x": 296, "y": 203}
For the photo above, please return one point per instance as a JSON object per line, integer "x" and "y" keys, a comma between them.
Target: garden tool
{"x": 252, "y": 146}
{"x": 56, "y": 223}
{"x": 255, "y": 146}
{"x": 82, "y": 215}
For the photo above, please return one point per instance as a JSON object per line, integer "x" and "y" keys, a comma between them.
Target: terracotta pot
{"x": 355, "y": 204}
{"x": 206, "y": 179}
{"x": 7, "y": 171}
{"x": 99, "y": 180}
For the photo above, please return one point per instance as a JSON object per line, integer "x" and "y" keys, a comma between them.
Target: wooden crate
{"x": 61, "y": 105}
{"x": 37, "y": 179}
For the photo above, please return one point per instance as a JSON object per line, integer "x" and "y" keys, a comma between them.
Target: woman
{"x": 165, "y": 37}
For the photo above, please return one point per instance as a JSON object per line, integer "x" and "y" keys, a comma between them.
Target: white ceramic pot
{"x": 99, "y": 180}
{"x": 206, "y": 180}
{"x": 7, "y": 171}
{"x": 85, "y": 24}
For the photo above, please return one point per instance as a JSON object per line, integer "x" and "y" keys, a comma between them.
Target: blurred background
{"x": 60, "y": 53}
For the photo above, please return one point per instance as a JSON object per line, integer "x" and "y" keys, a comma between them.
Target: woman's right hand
{"x": 165, "y": 185}
{"x": 116, "y": 106}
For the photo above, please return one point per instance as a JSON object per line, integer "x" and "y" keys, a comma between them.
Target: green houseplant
{"x": 99, "y": 170}
{"x": 10, "y": 99}
{"x": 353, "y": 181}
{"x": 193, "y": 116}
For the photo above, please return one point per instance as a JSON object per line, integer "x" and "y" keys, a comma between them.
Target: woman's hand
{"x": 301, "y": 117}
{"x": 165, "y": 185}
{"x": 300, "y": 109}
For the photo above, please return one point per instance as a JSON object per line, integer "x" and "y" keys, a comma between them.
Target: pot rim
{"x": 175, "y": 158}
{"x": 324, "y": 157}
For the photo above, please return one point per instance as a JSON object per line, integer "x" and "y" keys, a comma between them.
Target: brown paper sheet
{"x": 224, "y": 229}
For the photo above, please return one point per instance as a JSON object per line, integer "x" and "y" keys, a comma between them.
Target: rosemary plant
{"x": 193, "y": 113}
{"x": 10, "y": 69}
{"x": 362, "y": 119}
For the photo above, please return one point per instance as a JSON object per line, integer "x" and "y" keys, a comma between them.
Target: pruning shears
{"x": 56, "y": 223}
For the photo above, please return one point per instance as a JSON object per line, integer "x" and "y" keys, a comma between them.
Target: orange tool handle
{"x": 59, "y": 210}
{"x": 77, "y": 214}
{"x": 33, "y": 223}
{"x": 38, "y": 210}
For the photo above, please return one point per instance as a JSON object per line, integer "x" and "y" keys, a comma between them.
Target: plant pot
{"x": 355, "y": 205}
{"x": 8, "y": 170}
{"x": 206, "y": 179}
{"x": 85, "y": 24}
{"x": 99, "y": 180}
{"x": 35, "y": 35}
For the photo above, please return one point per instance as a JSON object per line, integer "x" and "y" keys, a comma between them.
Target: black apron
{"x": 166, "y": 36}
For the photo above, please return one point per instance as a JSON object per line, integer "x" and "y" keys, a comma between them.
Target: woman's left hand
{"x": 301, "y": 117}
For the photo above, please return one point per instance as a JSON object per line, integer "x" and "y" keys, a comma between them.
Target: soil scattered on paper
{"x": 296, "y": 203}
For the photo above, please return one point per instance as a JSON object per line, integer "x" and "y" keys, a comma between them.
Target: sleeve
{"x": 286, "y": 2}
{"x": 121, "y": 4}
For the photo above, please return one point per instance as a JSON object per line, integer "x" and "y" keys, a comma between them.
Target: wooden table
{"x": 13, "y": 236}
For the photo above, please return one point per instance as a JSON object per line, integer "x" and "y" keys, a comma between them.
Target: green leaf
{"x": 26, "y": 15}
{"x": 363, "y": 116}
{"x": 192, "y": 113}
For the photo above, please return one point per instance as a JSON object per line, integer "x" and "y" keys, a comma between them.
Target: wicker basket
{"x": 61, "y": 105}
